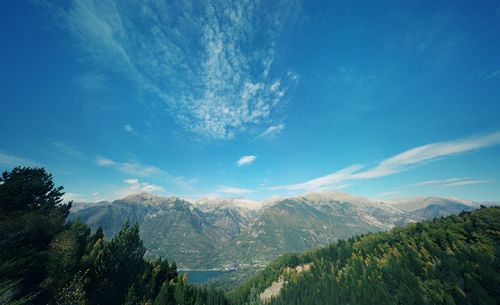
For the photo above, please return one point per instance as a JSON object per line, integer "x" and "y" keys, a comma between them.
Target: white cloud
{"x": 272, "y": 131}
{"x": 131, "y": 181}
{"x": 401, "y": 162}
{"x": 245, "y": 160}
{"x": 210, "y": 63}
{"x": 233, "y": 190}
{"x": 137, "y": 186}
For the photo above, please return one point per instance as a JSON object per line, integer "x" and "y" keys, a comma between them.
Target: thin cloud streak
{"x": 434, "y": 182}
{"x": 467, "y": 182}
{"x": 272, "y": 131}
{"x": 450, "y": 182}
{"x": 401, "y": 162}
{"x": 336, "y": 178}
{"x": 68, "y": 150}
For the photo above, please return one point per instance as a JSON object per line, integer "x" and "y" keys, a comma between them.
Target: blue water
{"x": 201, "y": 276}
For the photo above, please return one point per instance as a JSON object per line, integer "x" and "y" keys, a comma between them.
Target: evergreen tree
{"x": 31, "y": 215}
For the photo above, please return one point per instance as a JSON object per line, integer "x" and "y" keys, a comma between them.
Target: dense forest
{"x": 451, "y": 260}
{"x": 45, "y": 259}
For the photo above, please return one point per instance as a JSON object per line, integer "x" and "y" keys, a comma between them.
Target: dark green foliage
{"x": 31, "y": 215}
{"x": 118, "y": 266}
{"x": 73, "y": 293}
{"x": 45, "y": 261}
{"x": 27, "y": 189}
{"x": 181, "y": 293}
{"x": 452, "y": 260}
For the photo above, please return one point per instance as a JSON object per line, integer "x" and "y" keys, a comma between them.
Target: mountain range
{"x": 213, "y": 233}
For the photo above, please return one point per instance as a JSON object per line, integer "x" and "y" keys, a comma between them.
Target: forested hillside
{"x": 452, "y": 260}
{"x": 46, "y": 260}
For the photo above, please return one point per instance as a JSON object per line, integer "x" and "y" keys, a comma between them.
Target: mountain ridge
{"x": 212, "y": 233}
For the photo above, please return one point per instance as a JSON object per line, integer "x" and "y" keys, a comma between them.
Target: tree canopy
{"x": 27, "y": 189}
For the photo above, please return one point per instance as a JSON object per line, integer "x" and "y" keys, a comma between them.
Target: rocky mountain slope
{"x": 231, "y": 233}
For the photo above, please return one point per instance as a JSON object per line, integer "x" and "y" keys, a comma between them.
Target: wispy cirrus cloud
{"x": 246, "y": 160}
{"x": 429, "y": 153}
{"x": 332, "y": 179}
{"x": 450, "y": 182}
{"x": 210, "y": 62}
{"x": 9, "y": 160}
{"x": 402, "y": 162}
{"x": 68, "y": 150}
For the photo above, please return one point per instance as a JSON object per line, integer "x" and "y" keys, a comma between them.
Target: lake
{"x": 201, "y": 276}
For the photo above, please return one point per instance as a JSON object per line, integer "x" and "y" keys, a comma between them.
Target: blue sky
{"x": 254, "y": 98}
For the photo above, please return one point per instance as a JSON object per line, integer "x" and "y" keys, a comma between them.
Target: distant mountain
{"x": 227, "y": 233}
{"x": 172, "y": 228}
{"x": 207, "y": 203}
{"x": 430, "y": 207}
